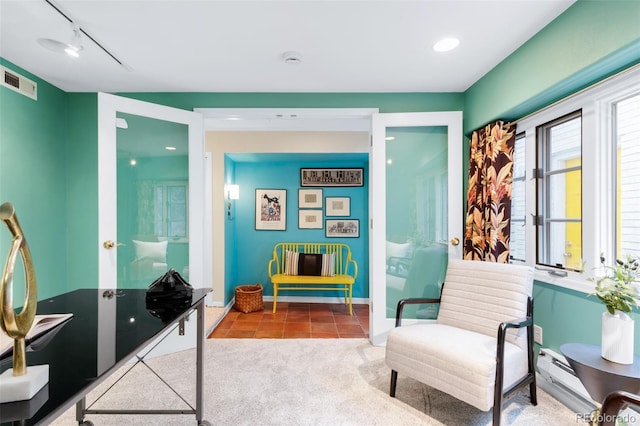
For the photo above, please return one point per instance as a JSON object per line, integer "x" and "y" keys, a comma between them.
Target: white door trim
{"x": 108, "y": 106}
{"x": 379, "y": 325}
{"x": 267, "y": 120}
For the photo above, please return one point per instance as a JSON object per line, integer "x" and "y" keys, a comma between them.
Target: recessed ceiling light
{"x": 292, "y": 58}
{"x": 170, "y": 148}
{"x": 446, "y": 44}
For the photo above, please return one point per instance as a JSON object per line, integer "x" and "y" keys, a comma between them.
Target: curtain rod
{"x": 573, "y": 95}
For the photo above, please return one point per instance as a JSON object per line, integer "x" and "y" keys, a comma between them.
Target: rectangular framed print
{"x": 342, "y": 228}
{"x": 332, "y": 177}
{"x": 310, "y": 198}
{"x": 338, "y": 206}
{"x": 310, "y": 219}
{"x": 271, "y": 209}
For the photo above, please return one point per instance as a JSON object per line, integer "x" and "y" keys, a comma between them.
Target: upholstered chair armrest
{"x": 413, "y": 301}
{"x": 518, "y": 323}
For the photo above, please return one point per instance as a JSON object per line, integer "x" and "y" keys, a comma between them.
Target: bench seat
{"x": 346, "y": 270}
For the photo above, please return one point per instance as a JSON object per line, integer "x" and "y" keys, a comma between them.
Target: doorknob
{"x": 455, "y": 241}
{"x": 110, "y": 244}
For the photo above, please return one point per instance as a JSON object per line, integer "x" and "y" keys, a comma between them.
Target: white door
{"x": 416, "y": 211}
{"x": 151, "y": 192}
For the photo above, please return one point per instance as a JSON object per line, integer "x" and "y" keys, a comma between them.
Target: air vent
{"x": 19, "y": 83}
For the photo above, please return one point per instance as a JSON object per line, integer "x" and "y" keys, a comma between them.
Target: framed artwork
{"x": 309, "y": 198}
{"x": 271, "y": 209}
{"x": 342, "y": 228}
{"x": 332, "y": 177}
{"x": 310, "y": 219}
{"x": 338, "y": 206}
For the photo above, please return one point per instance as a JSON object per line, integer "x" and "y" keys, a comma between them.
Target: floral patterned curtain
{"x": 489, "y": 196}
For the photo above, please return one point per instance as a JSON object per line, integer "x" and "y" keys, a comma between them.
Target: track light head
{"x": 73, "y": 48}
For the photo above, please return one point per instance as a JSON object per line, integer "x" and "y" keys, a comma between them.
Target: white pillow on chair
{"x": 157, "y": 251}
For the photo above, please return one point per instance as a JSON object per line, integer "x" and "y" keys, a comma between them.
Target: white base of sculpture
{"x": 20, "y": 388}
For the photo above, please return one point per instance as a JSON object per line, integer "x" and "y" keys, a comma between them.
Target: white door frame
{"x": 108, "y": 106}
{"x": 269, "y": 120}
{"x": 379, "y": 325}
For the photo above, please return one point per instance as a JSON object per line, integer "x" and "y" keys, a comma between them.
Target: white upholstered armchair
{"x": 480, "y": 348}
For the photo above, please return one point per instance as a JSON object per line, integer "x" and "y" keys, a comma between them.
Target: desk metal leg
{"x": 200, "y": 366}
{"x": 81, "y": 407}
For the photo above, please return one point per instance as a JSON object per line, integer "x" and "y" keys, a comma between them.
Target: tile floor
{"x": 296, "y": 320}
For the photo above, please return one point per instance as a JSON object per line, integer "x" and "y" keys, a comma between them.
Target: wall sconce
{"x": 232, "y": 192}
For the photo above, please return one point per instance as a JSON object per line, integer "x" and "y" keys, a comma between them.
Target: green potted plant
{"x": 615, "y": 289}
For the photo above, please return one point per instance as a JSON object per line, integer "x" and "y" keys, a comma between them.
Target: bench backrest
{"x": 341, "y": 250}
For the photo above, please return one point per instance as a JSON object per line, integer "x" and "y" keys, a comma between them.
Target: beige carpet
{"x": 212, "y": 316}
{"x": 300, "y": 382}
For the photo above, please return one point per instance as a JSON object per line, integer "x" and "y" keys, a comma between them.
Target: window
{"x": 559, "y": 187}
{"x": 576, "y": 183}
{"x": 627, "y": 137}
{"x": 171, "y": 210}
{"x": 517, "y": 247}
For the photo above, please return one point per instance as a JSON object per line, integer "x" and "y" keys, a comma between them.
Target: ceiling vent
{"x": 19, "y": 83}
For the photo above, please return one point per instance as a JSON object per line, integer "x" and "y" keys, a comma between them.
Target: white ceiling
{"x": 237, "y": 46}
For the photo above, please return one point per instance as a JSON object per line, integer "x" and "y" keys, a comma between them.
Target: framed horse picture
{"x": 271, "y": 209}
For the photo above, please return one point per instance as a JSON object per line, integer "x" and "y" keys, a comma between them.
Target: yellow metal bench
{"x": 346, "y": 270}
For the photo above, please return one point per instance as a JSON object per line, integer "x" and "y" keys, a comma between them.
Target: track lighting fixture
{"x": 73, "y": 48}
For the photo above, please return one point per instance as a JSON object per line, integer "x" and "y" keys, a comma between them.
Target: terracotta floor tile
{"x": 352, "y": 335}
{"x": 241, "y": 333}
{"x": 297, "y": 326}
{"x": 345, "y": 319}
{"x": 322, "y": 317}
{"x": 296, "y": 321}
{"x": 349, "y": 328}
{"x": 298, "y": 317}
{"x": 317, "y": 335}
{"x": 297, "y": 334}
{"x": 244, "y": 325}
{"x": 269, "y": 334}
{"x": 219, "y": 332}
{"x": 323, "y": 328}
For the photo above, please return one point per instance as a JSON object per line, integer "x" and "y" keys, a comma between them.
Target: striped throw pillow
{"x": 310, "y": 264}
{"x": 291, "y": 262}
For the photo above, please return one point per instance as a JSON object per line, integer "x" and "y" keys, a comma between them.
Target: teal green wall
{"x": 386, "y": 102}
{"x": 254, "y": 248}
{"x": 33, "y": 165}
{"x": 81, "y": 192}
{"x": 590, "y": 41}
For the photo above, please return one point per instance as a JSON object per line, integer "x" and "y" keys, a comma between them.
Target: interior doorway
{"x": 271, "y": 121}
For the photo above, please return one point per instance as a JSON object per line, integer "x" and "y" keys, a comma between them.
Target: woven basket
{"x": 249, "y": 298}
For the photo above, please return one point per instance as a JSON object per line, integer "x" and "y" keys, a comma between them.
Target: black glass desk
{"x": 107, "y": 331}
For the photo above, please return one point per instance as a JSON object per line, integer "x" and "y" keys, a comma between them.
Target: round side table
{"x": 598, "y": 375}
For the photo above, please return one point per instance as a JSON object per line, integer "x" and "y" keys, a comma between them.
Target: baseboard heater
{"x": 556, "y": 377}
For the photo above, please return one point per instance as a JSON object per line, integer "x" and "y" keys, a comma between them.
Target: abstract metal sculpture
{"x": 17, "y": 326}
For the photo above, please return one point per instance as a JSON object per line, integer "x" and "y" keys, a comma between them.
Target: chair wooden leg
{"x": 394, "y": 381}
{"x": 533, "y": 395}
{"x": 497, "y": 413}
